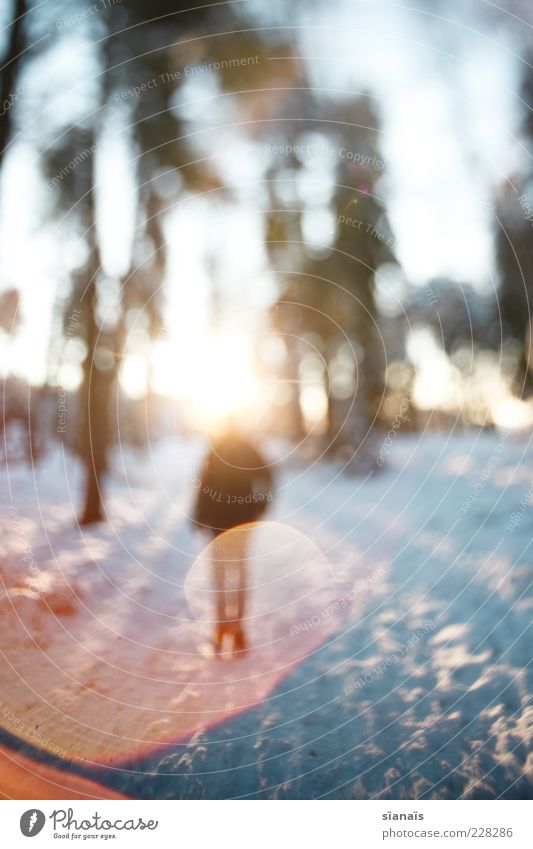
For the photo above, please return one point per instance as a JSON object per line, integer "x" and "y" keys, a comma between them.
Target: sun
{"x": 225, "y": 381}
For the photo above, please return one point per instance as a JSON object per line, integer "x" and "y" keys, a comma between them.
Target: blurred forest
{"x": 114, "y": 100}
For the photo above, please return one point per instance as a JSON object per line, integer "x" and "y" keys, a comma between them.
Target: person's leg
{"x": 242, "y": 586}
{"x": 219, "y": 581}
{"x": 240, "y": 577}
{"x": 236, "y": 581}
{"x": 218, "y": 571}
{"x": 230, "y": 578}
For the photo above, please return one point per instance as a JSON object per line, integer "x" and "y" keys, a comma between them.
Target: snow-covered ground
{"x": 389, "y": 622}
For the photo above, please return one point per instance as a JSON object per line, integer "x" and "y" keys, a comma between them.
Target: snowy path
{"x": 394, "y": 664}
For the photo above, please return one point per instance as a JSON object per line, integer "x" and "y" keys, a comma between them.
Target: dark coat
{"x": 235, "y": 486}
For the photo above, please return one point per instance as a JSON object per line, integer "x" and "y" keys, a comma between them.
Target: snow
{"x": 389, "y": 626}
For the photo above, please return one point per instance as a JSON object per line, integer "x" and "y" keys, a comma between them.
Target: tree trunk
{"x": 95, "y": 400}
{"x": 292, "y": 374}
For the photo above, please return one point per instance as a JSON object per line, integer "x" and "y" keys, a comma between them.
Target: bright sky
{"x": 448, "y": 109}
{"x": 446, "y": 96}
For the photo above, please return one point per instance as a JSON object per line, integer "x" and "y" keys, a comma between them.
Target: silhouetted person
{"x": 234, "y": 489}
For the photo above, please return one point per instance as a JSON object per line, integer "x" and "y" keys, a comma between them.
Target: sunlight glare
{"x": 225, "y": 382}
{"x": 218, "y": 379}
